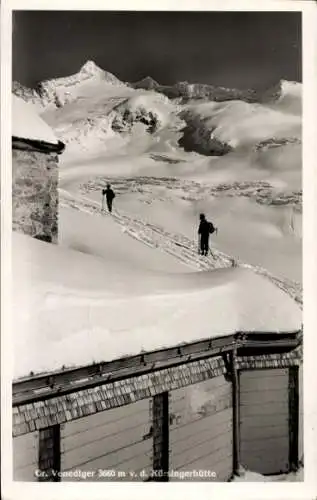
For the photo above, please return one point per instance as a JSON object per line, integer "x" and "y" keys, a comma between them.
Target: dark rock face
{"x": 198, "y": 137}
{"x": 124, "y": 122}
{"x": 28, "y": 95}
{"x": 35, "y": 194}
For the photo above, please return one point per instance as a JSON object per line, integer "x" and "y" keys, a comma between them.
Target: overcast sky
{"x": 241, "y": 49}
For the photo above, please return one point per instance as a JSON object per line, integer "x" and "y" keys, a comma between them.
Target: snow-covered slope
{"x": 290, "y": 100}
{"x": 108, "y": 118}
{"x": 255, "y": 186}
{"x": 134, "y": 280}
{"x": 94, "y": 112}
{"x": 66, "y": 298}
{"x": 238, "y": 123}
{"x": 98, "y": 112}
{"x": 27, "y": 124}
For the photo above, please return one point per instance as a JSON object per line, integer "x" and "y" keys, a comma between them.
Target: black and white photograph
{"x": 157, "y": 262}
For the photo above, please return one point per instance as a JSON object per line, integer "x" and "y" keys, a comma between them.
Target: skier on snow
{"x": 205, "y": 229}
{"x": 109, "y": 194}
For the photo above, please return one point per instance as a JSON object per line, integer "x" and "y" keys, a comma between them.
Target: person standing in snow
{"x": 110, "y": 195}
{"x": 205, "y": 229}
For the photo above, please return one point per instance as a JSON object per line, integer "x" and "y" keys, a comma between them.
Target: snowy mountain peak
{"x": 150, "y": 81}
{"x": 90, "y": 68}
{"x": 147, "y": 83}
{"x": 63, "y": 90}
{"x": 91, "y": 71}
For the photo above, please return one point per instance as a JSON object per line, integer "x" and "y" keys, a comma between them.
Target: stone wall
{"x": 35, "y": 194}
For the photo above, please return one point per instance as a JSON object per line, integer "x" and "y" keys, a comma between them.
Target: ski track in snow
{"x": 175, "y": 244}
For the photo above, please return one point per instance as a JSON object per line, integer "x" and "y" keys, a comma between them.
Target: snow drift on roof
{"x": 68, "y": 299}
{"x": 26, "y": 123}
